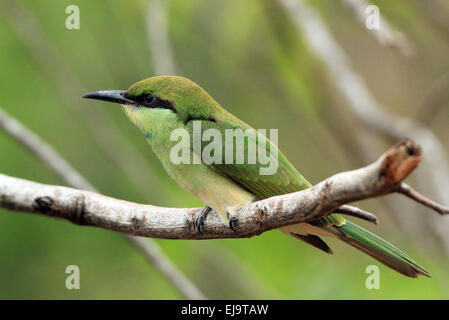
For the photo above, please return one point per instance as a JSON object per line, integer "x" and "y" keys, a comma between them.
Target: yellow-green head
{"x": 162, "y": 100}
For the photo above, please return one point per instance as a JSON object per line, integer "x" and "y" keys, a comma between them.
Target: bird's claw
{"x": 201, "y": 217}
{"x": 199, "y": 222}
{"x": 233, "y": 221}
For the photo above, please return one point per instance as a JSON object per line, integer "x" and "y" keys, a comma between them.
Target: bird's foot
{"x": 233, "y": 221}
{"x": 201, "y": 217}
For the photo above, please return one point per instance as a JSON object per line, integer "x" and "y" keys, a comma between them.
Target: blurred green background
{"x": 251, "y": 58}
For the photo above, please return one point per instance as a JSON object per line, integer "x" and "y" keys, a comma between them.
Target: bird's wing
{"x": 285, "y": 179}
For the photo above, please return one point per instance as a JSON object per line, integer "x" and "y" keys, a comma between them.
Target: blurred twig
{"x": 235, "y": 270}
{"x": 381, "y": 177}
{"x": 157, "y": 31}
{"x": 386, "y": 35}
{"x": 435, "y": 175}
{"x": 172, "y": 273}
{"x": 47, "y": 155}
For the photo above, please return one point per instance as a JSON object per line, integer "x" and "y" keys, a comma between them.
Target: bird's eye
{"x": 149, "y": 99}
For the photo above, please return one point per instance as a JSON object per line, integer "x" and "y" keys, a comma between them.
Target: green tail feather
{"x": 379, "y": 249}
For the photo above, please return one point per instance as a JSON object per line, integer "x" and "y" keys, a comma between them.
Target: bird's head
{"x": 162, "y": 100}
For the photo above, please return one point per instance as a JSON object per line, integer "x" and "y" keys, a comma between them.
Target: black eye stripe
{"x": 149, "y": 100}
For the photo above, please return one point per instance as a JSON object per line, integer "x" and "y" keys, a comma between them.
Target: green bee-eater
{"x": 160, "y": 105}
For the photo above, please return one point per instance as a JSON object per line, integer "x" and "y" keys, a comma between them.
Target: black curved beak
{"x": 117, "y": 96}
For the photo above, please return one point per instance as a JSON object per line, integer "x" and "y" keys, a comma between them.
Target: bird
{"x": 161, "y": 105}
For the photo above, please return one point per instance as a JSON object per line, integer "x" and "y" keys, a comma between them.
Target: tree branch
{"x": 92, "y": 209}
{"x": 408, "y": 191}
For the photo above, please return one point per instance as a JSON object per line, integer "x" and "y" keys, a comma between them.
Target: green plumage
{"x": 380, "y": 250}
{"x": 228, "y": 187}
